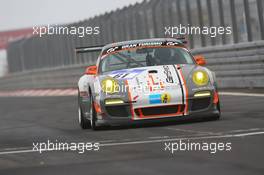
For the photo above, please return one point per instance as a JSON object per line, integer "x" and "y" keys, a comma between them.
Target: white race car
{"x": 145, "y": 80}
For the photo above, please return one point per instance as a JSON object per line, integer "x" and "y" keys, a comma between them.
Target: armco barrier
{"x": 236, "y": 66}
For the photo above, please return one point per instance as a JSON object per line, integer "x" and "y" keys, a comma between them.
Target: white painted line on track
{"x": 242, "y": 130}
{"x": 188, "y": 130}
{"x": 159, "y": 137}
{"x": 242, "y": 94}
{"x": 20, "y": 148}
{"x": 148, "y": 141}
{"x": 249, "y": 134}
{"x": 18, "y": 151}
{"x": 106, "y": 141}
{"x": 178, "y": 139}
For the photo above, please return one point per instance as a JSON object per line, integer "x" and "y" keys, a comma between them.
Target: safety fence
{"x": 148, "y": 19}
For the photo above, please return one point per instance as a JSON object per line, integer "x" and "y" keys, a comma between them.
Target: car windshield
{"x": 142, "y": 57}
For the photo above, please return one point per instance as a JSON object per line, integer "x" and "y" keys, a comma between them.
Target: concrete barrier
{"x": 236, "y": 66}
{"x": 60, "y": 77}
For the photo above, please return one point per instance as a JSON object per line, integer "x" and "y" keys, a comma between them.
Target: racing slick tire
{"x": 93, "y": 115}
{"x": 83, "y": 122}
{"x": 219, "y": 109}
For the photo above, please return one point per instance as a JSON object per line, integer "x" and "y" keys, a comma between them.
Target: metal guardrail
{"x": 236, "y": 66}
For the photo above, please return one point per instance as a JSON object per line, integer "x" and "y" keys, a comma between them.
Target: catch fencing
{"x": 142, "y": 20}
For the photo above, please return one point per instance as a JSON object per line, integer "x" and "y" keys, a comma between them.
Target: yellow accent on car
{"x": 200, "y": 78}
{"x": 202, "y": 94}
{"x": 165, "y": 98}
{"x": 113, "y": 101}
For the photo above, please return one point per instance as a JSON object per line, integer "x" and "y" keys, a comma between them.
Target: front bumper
{"x": 197, "y": 109}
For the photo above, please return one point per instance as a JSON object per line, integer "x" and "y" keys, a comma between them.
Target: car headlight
{"x": 110, "y": 85}
{"x": 200, "y": 78}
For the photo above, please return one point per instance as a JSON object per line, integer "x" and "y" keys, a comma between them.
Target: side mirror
{"x": 91, "y": 70}
{"x": 200, "y": 60}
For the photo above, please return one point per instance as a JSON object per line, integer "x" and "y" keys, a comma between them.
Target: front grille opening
{"x": 200, "y": 103}
{"x": 118, "y": 110}
{"x": 160, "y": 110}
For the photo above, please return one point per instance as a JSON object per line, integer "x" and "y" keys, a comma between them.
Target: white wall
{"x": 3, "y": 63}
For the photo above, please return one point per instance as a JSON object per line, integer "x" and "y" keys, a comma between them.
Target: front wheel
{"x": 82, "y": 120}
{"x": 219, "y": 109}
{"x": 93, "y": 115}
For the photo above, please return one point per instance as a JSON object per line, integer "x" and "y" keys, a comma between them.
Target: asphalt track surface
{"x": 129, "y": 149}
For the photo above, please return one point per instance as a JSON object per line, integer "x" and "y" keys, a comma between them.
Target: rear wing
{"x": 182, "y": 39}
{"x": 88, "y": 49}
{"x": 87, "y": 55}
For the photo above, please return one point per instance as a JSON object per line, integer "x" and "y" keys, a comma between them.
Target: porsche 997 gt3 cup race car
{"x": 143, "y": 81}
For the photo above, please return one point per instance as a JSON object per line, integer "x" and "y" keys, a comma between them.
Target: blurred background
{"x": 28, "y": 61}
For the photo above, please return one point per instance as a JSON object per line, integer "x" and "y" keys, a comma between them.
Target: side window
{"x": 111, "y": 63}
{"x": 187, "y": 56}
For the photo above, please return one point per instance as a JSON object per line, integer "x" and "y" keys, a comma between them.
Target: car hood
{"x": 164, "y": 74}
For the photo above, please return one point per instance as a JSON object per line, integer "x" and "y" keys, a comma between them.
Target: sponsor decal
{"x": 112, "y": 49}
{"x": 168, "y": 74}
{"x": 138, "y": 83}
{"x": 172, "y": 43}
{"x": 155, "y": 98}
{"x": 159, "y": 98}
{"x": 126, "y": 74}
{"x": 165, "y": 98}
{"x": 142, "y": 44}
{"x": 154, "y": 83}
